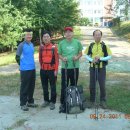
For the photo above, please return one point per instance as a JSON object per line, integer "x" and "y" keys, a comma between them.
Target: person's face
{"x": 28, "y": 36}
{"x": 68, "y": 34}
{"x": 97, "y": 36}
{"x": 46, "y": 38}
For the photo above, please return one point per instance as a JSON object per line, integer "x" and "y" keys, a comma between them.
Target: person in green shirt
{"x": 70, "y": 51}
{"x": 98, "y": 54}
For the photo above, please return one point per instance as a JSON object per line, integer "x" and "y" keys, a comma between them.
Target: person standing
{"x": 48, "y": 58}
{"x": 98, "y": 54}
{"x": 25, "y": 60}
{"x": 70, "y": 51}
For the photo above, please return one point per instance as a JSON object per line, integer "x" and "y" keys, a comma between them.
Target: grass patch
{"x": 117, "y": 88}
{"x": 17, "y": 124}
{"x": 123, "y": 30}
{"x": 9, "y": 57}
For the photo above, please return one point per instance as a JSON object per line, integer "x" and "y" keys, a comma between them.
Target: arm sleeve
{"x": 19, "y": 49}
{"x": 17, "y": 58}
{"x": 105, "y": 58}
{"x": 19, "y": 53}
{"x": 89, "y": 58}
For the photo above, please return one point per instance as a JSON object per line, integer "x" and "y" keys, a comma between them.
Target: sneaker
{"x": 24, "y": 108}
{"x": 103, "y": 104}
{"x": 32, "y": 105}
{"x": 52, "y": 106}
{"x": 45, "y": 104}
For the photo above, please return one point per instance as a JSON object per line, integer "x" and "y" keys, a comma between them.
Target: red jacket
{"x": 45, "y": 57}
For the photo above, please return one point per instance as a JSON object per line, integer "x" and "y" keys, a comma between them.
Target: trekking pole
{"x": 75, "y": 78}
{"x": 96, "y": 87}
{"x": 66, "y": 87}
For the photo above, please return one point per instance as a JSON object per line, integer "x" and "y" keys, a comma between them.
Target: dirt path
{"x": 12, "y": 118}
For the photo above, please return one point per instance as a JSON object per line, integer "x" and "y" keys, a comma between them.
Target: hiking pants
{"x": 27, "y": 86}
{"x": 48, "y": 76}
{"x": 70, "y": 81}
{"x": 101, "y": 80}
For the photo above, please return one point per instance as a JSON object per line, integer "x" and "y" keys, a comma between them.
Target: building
{"x": 97, "y": 11}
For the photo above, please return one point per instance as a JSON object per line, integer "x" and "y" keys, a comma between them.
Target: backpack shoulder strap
{"x": 53, "y": 49}
{"x": 53, "y": 54}
{"x": 104, "y": 49}
{"x": 90, "y": 48}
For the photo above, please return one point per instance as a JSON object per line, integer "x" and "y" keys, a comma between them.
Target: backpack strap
{"x": 90, "y": 48}
{"x": 104, "y": 49}
{"x": 53, "y": 55}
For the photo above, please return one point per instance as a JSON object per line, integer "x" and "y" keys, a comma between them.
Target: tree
{"x": 83, "y": 21}
{"x": 126, "y": 5}
{"x": 51, "y": 15}
{"x": 12, "y": 23}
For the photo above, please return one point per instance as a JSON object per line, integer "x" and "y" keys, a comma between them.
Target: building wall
{"x": 94, "y": 10}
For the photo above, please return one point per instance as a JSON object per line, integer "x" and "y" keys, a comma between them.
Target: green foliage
{"x": 51, "y": 15}
{"x": 126, "y": 5}
{"x": 83, "y": 22}
{"x": 12, "y": 23}
{"x": 123, "y": 30}
{"x": 116, "y": 21}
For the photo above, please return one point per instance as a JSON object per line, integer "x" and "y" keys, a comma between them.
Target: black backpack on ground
{"x": 74, "y": 102}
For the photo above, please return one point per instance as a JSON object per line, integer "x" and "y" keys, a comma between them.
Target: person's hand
{"x": 75, "y": 58}
{"x": 64, "y": 59}
{"x": 97, "y": 58}
{"x": 55, "y": 73}
{"x": 94, "y": 61}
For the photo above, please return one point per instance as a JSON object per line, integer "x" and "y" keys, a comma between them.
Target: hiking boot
{"x": 45, "y": 104}
{"x": 61, "y": 109}
{"x": 32, "y": 105}
{"x": 52, "y": 106}
{"x": 24, "y": 108}
{"x": 103, "y": 104}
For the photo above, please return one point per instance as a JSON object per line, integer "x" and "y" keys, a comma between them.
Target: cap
{"x": 68, "y": 28}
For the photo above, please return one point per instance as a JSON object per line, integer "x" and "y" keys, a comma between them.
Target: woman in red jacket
{"x": 48, "y": 58}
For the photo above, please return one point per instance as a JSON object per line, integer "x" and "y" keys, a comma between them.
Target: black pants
{"x": 27, "y": 86}
{"x": 101, "y": 80}
{"x": 70, "y": 81}
{"x": 48, "y": 75}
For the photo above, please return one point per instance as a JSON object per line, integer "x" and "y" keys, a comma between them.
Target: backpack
{"x": 104, "y": 50}
{"x": 74, "y": 101}
{"x": 53, "y": 56}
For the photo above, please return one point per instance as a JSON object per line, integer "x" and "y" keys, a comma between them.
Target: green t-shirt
{"x": 69, "y": 50}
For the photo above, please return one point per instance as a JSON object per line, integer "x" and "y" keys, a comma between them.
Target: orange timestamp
{"x": 110, "y": 116}
{"x": 127, "y": 116}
